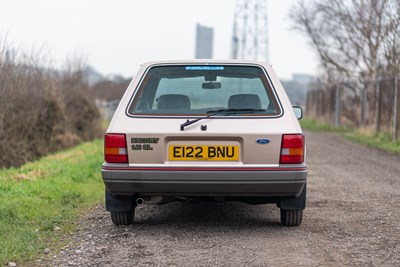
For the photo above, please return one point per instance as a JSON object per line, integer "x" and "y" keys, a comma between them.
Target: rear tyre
{"x": 122, "y": 217}
{"x": 291, "y": 217}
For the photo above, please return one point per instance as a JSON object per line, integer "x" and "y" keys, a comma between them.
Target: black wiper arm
{"x": 188, "y": 122}
{"x": 224, "y": 110}
{"x": 228, "y": 111}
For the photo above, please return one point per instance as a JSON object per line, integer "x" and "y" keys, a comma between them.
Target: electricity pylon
{"x": 250, "y": 31}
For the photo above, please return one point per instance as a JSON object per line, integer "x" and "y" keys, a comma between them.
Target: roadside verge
{"x": 41, "y": 201}
{"x": 381, "y": 141}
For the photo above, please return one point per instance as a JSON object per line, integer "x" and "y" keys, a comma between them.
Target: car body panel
{"x": 219, "y": 132}
{"x": 205, "y": 181}
{"x": 255, "y": 172}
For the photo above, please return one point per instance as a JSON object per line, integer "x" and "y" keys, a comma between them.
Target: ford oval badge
{"x": 263, "y": 141}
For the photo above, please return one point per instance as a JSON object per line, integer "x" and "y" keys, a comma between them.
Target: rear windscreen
{"x": 200, "y": 90}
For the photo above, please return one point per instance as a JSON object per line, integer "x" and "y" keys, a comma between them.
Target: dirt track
{"x": 352, "y": 219}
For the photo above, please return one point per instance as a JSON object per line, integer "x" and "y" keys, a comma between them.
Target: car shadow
{"x": 233, "y": 215}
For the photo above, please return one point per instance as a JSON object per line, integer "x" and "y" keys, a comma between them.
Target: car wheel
{"x": 291, "y": 217}
{"x": 122, "y": 217}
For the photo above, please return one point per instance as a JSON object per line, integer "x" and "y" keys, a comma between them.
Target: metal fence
{"x": 373, "y": 105}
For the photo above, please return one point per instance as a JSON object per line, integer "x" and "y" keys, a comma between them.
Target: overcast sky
{"x": 116, "y": 36}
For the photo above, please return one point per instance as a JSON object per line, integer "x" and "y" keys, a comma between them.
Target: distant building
{"x": 204, "y": 42}
{"x": 302, "y": 78}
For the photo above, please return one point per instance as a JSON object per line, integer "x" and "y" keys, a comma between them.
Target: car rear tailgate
{"x": 225, "y": 142}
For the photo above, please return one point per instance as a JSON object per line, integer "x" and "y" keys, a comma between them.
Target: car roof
{"x": 206, "y": 61}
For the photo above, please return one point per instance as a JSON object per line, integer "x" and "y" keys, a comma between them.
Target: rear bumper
{"x": 265, "y": 182}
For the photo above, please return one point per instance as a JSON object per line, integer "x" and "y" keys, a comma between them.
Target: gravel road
{"x": 352, "y": 219}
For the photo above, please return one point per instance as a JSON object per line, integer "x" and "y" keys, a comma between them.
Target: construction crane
{"x": 250, "y": 31}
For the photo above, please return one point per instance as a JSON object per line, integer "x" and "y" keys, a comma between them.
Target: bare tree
{"x": 354, "y": 38}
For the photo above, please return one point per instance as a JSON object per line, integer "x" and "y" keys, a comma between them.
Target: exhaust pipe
{"x": 149, "y": 200}
{"x": 139, "y": 201}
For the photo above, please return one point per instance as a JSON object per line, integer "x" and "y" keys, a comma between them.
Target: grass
{"x": 43, "y": 195}
{"x": 317, "y": 126}
{"x": 382, "y": 140}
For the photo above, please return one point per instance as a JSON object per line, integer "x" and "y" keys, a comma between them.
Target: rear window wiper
{"x": 234, "y": 110}
{"x": 226, "y": 111}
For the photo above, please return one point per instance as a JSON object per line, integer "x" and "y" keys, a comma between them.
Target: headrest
{"x": 250, "y": 101}
{"x": 173, "y": 101}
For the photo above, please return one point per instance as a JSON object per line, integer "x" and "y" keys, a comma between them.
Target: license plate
{"x": 201, "y": 152}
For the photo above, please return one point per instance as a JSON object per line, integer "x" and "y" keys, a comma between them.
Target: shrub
{"x": 42, "y": 110}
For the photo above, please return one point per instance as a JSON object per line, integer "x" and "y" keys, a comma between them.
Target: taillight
{"x": 292, "y": 150}
{"x": 115, "y": 148}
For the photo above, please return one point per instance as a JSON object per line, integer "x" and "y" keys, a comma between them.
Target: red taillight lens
{"x": 292, "y": 150}
{"x": 115, "y": 148}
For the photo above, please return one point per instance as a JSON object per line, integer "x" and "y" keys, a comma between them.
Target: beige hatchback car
{"x": 205, "y": 130}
